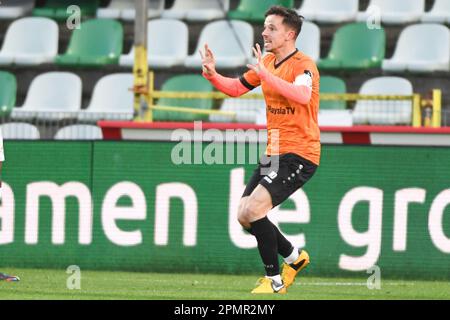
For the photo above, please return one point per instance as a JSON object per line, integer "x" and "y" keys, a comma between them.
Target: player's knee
{"x": 241, "y": 213}
{"x": 250, "y": 212}
{"x": 244, "y": 222}
{"x": 242, "y": 218}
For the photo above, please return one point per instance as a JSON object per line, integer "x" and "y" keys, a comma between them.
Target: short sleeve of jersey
{"x": 250, "y": 79}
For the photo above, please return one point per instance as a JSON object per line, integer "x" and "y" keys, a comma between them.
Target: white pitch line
{"x": 349, "y": 284}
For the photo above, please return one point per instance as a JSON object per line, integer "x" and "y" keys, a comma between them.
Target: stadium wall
{"x": 127, "y": 206}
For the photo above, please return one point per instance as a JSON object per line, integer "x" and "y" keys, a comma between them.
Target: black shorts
{"x": 281, "y": 175}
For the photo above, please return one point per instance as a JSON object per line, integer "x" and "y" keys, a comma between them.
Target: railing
{"x": 417, "y": 112}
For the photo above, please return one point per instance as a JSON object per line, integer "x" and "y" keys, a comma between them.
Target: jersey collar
{"x": 289, "y": 56}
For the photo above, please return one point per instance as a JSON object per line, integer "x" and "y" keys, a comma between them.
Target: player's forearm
{"x": 298, "y": 93}
{"x": 230, "y": 86}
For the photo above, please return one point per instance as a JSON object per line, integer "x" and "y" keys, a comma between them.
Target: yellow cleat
{"x": 289, "y": 271}
{"x": 267, "y": 285}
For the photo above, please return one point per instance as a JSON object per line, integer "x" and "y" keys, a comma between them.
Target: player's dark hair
{"x": 290, "y": 17}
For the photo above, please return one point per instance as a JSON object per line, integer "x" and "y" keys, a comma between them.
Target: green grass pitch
{"x": 95, "y": 285}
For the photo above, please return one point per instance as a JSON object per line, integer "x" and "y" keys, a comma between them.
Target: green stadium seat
{"x": 330, "y": 84}
{"x": 98, "y": 42}
{"x": 355, "y": 47}
{"x": 8, "y": 90}
{"x": 185, "y": 82}
{"x": 44, "y": 12}
{"x": 57, "y": 9}
{"x": 254, "y": 10}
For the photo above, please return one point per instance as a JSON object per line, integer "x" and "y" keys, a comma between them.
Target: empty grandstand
{"x": 407, "y": 43}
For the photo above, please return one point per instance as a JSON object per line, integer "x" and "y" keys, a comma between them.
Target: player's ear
{"x": 291, "y": 34}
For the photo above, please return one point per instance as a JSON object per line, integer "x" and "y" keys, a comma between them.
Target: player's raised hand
{"x": 259, "y": 63}
{"x": 208, "y": 61}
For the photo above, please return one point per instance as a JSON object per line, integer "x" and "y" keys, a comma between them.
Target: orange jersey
{"x": 293, "y": 125}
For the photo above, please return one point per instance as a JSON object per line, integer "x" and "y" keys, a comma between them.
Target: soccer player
{"x": 290, "y": 84}
{"x": 4, "y": 276}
